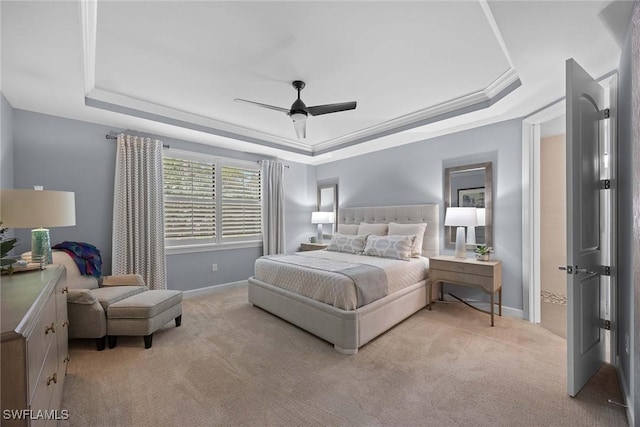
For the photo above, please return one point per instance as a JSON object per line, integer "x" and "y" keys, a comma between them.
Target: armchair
{"x": 88, "y": 298}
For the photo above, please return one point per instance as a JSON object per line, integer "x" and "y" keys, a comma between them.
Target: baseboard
{"x": 625, "y": 392}
{"x": 483, "y": 305}
{"x": 212, "y": 289}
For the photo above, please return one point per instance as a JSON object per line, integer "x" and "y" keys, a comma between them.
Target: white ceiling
{"x": 417, "y": 69}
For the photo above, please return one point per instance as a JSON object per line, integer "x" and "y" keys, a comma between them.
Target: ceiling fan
{"x": 299, "y": 111}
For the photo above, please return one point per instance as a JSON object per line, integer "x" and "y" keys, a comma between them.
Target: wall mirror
{"x": 470, "y": 186}
{"x": 328, "y": 202}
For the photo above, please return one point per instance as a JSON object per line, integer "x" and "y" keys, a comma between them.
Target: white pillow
{"x": 397, "y": 247}
{"x": 410, "y": 230}
{"x": 376, "y": 229}
{"x": 347, "y": 243}
{"x": 350, "y": 229}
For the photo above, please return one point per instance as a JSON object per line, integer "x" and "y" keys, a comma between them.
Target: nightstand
{"x": 486, "y": 275}
{"x": 312, "y": 246}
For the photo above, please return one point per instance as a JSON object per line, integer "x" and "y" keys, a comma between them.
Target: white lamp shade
{"x": 460, "y": 217}
{"x": 481, "y": 217}
{"x": 322, "y": 218}
{"x": 34, "y": 208}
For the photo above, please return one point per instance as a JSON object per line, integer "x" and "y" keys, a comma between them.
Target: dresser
{"x": 34, "y": 346}
{"x": 486, "y": 275}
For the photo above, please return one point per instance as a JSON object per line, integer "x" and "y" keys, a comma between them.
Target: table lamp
{"x": 322, "y": 218}
{"x": 480, "y": 222}
{"x": 37, "y": 209}
{"x": 461, "y": 218}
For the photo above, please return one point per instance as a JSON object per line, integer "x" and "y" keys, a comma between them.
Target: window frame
{"x": 174, "y": 246}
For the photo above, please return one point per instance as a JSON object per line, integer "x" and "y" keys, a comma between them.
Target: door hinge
{"x": 605, "y": 184}
{"x": 605, "y": 114}
{"x": 605, "y": 324}
{"x": 605, "y": 270}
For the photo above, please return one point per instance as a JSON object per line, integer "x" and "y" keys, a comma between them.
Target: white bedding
{"x": 323, "y": 283}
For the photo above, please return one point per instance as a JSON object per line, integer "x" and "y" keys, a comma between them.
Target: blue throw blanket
{"x": 86, "y": 256}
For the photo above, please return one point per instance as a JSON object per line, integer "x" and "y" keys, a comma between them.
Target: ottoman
{"x": 143, "y": 314}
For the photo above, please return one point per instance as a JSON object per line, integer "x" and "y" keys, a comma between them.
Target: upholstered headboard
{"x": 409, "y": 214}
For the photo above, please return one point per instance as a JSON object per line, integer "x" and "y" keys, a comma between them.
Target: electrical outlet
{"x": 214, "y": 267}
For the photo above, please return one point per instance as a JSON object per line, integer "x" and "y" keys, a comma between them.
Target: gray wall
{"x": 71, "y": 155}
{"x": 414, "y": 174}
{"x": 6, "y": 143}
{"x": 628, "y": 203}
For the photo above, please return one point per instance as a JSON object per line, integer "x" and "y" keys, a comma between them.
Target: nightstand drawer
{"x": 463, "y": 267}
{"x": 313, "y": 246}
{"x": 486, "y": 282}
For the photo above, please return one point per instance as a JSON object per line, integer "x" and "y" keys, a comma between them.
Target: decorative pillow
{"x": 349, "y": 229}
{"x": 410, "y": 229}
{"x": 376, "y": 229}
{"x": 398, "y": 247}
{"x": 353, "y": 244}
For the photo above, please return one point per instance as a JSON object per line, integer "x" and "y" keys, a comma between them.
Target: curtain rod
{"x": 167, "y": 146}
{"x": 285, "y": 166}
{"x": 115, "y": 137}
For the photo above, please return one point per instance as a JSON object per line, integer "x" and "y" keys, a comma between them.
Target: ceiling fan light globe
{"x": 298, "y": 117}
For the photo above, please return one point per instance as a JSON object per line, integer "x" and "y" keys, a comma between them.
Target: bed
{"x": 352, "y": 326}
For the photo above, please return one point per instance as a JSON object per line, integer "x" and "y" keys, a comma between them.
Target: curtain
{"x": 138, "y": 211}
{"x": 272, "y": 207}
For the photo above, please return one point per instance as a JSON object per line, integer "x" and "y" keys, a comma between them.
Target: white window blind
{"x": 241, "y": 207}
{"x": 189, "y": 199}
{"x": 211, "y": 200}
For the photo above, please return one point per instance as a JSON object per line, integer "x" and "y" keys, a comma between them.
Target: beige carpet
{"x": 233, "y": 364}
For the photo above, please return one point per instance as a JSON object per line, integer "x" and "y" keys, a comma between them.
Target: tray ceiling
{"x": 416, "y": 69}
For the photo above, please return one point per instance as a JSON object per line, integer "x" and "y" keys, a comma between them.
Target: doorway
{"x": 553, "y": 226}
{"x": 531, "y": 193}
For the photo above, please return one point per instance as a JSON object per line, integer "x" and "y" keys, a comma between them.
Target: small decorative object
{"x": 483, "y": 252}
{"x": 6, "y": 264}
{"x": 312, "y": 240}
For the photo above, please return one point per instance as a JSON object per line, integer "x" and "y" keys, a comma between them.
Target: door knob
{"x": 567, "y": 268}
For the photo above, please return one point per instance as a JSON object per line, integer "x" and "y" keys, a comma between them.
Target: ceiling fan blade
{"x": 301, "y": 128}
{"x": 317, "y": 110}
{"x": 271, "y": 107}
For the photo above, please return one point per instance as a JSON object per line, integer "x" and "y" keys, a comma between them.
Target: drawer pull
{"x": 65, "y": 290}
{"x": 53, "y": 378}
{"x": 65, "y": 323}
{"x": 50, "y": 328}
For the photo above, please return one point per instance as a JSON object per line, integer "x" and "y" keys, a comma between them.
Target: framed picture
{"x": 471, "y": 197}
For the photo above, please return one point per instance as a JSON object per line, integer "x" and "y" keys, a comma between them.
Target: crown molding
{"x": 89, "y": 21}
{"x": 499, "y": 88}
{"x": 107, "y": 100}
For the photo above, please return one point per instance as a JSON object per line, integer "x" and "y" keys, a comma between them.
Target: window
{"x": 210, "y": 200}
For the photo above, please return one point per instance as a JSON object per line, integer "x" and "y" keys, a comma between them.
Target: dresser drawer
{"x": 462, "y": 267}
{"x": 468, "y": 279}
{"x": 39, "y": 342}
{"x": 46, "y": 385}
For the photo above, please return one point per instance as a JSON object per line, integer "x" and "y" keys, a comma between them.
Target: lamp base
{"x": 461, "y": 246}
{"x": 320, "y": 233}
{"x": 41, "y": 246}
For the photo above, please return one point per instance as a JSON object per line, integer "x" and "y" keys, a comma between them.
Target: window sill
{"x": 189, "y": 249}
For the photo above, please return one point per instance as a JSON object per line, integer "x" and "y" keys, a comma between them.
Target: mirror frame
{"x": 449, "y": 239}
{"x": 334, "y": 187}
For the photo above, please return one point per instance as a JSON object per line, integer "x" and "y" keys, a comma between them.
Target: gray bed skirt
{"x": 346, "y": 330}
